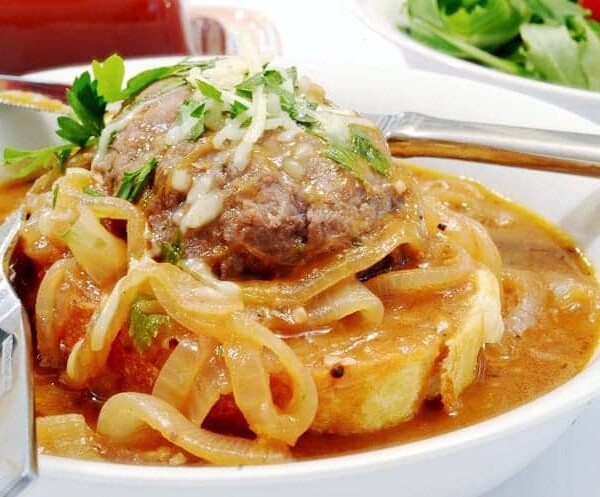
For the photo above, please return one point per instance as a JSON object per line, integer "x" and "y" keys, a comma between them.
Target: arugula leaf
{"x": 144, "y": 327}
{"x": 555, "y": 11}
{"x": 109, "y": 74}
{"x": 302, "y": 113}
{"x": 552, "y": 52}
{"x": 134, "y": 181}
{"x": 485, "y": 24}
{"x": 89, "y": 108}
{"x": 173, "y": 252}
{"x": 245, "y": 88}
{"x": 32, "y": 160}
{"x": 550, "y": 40}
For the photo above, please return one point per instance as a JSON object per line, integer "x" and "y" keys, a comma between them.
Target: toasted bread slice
{"x": 371, "y": 379}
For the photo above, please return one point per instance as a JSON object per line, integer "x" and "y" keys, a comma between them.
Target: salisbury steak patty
{"x": 287, "y": 206}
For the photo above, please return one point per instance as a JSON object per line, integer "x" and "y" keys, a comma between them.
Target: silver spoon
{"x": 18, "y": 457}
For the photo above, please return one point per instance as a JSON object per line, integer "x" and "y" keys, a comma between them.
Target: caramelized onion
{"x": 455, "y": 270}
{"x": 318, "y": 277}
{"x": 176, "y": 378}
{"x": 124, "y": 415}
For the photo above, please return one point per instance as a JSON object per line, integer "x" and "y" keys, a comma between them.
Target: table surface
{"x": 328, "y": 28}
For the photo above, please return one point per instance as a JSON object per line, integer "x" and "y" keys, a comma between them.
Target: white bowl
{"x": 463, "y": 463}
{"x": 382, "y": 16}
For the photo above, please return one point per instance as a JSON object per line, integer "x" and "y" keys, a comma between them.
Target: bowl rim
{"x": 378, "y": 16}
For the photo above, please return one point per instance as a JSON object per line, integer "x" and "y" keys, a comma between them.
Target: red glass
{"x": 36, "y": 34}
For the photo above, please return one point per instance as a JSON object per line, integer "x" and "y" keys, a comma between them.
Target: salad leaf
{"x": 552, "y": 52}
{"x": 550, "y": 40}
{"x": 555, "y": 11}
{"x": 190, "y": 119}
{"x": 482, "y": 23}
{"x": 589, "y": 43}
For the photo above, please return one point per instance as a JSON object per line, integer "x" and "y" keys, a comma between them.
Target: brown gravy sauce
{"x": 516, "y": 370}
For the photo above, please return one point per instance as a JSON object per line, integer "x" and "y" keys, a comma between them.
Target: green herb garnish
{"x": 110, "y": 74}
{"x": 32, "y": 160}
{"x": 144, "y": 327}
{"x": 363, "y": 146}
{"x": 88, "y": 107}
{"x": 190, "y": 117}
{"x": 344, "y": 156}
{"x": 88, "y": 190}
{"x": 173, "y": 252}
{"x": 237, "y": 108}
{"x": 134, "y": 181}
{"x": 54, "y": 196}
{"x": 208, "y": 90}
{"x": 358, "y": 154}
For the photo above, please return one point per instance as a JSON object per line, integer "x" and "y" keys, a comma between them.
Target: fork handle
{"x": 574, "y": 153}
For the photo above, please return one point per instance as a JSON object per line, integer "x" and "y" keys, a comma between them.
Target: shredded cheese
{"x": 203, "y": 204}
{"x": 256, "y": 129}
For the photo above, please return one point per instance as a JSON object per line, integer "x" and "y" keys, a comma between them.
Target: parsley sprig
{"x": 88, "y": 99}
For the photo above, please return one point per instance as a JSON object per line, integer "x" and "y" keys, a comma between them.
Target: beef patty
{"x": 290, "y": 205}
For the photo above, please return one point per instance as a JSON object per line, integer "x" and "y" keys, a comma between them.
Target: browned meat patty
{"x": 289, "y": 206}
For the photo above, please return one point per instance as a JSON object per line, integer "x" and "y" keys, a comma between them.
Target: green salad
{"x": 550, "y": 40}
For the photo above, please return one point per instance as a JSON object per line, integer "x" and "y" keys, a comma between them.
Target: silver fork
{"x": 411, "y": 134}
{"x": 18, "y": 461}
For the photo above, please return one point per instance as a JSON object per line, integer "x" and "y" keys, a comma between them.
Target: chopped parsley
{"x": 344, "y": 156}
{"x": 209, "y": 90}
{"x": 88, "y": 190}
{"x": 190, "y": 117}
{"x": 145, "y": 78}
{"x": 173, "y": 252}
{"x": 144, "y": 327}
{"x": 362, "y": 145}
{"x": 237, "y": 108}
{"x": 359, "y": 153}
{"x": 135, "y": 181}
{"x": 54, "y": 196}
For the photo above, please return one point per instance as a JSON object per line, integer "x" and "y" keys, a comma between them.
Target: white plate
{"x": 382, "y": 15}
{"x": 463, "y": 463}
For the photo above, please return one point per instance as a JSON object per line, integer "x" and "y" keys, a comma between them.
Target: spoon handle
{"x": 18, "y": 462}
